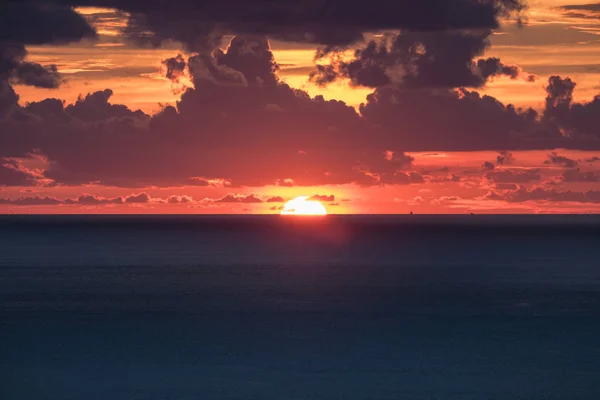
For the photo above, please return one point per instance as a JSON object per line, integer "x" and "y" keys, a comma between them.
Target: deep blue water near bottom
{"x": 268, "y": 307}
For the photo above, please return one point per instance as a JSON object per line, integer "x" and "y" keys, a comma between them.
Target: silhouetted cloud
{"x": 237, "y": 198}
{"x": 31, "y": 201}
{"x": 200, "y": 24}
{"x": 576, "y": 175}
{"x": 322, "y": 197}
{"x": 93, "y": 200}
{"x": 505, "y": 158}
{"x": 240, "y": 125}
{"x": 514, "y": 175}
{"x": 556, "y": 159}
{"x": 579, "y": 120}
{"x": 180, "y": 199}
{"x": 543, "y": 194}
{"x": 275, "y": 199}
{"x": 488, "y": 166}
{"x": 141, "y": 198}
{"x": 420, "y": 60}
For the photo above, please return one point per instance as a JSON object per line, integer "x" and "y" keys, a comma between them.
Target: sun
{"x": 303, "y": 206}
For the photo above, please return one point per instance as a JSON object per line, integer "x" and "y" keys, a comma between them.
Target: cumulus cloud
{"x": 238, "y": 123}
{"x": 420, "y": 60}
{"x": 180, "y": 199}
{"x": 23, "y": 23}
{"x": 237, "y": 198}
{"x": 578, "y": 120}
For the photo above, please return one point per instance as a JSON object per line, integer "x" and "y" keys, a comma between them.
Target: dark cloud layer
{"x": 238, "y": 123}
{"x": 199, "y": 24}
{"x": 543, "y": 194}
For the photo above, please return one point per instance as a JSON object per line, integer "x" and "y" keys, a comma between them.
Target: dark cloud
{"x": 556, "y": 159}
{"x": 141, "y": 198}
{"x": 543, "y": 194}
{"x": 41, "y": 22}
{"x": 505, "y": 158}
{"x": 175, "y": 67}
{"x": 577, "y": 120}
{"x": 275, "y": 199}
{"x": 420, "y": 60}
{"x": 322, "y": 197}
{"x": 200, "y": 24}
{"x": 488, "y": 166}
{"x": 31, "y": 201}
{"x": 240, "y": 125}
{"x": 237, "y": 198}
{"x": 95, "y": 107}
{"x": 514, "y": 175}
{"x": 424, "y": 120}
{"x": 93, "y": 200}
{"x": 33, "y": 23}
{"x": 576, "y": 175}
{"x": 12, "y": 175}
{"x": 179, "y": 199}
{"x": 592, "y": 159}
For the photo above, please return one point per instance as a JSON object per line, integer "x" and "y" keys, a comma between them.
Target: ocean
{"x": 317, "y": 308}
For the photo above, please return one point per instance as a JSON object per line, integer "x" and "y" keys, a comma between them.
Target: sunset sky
{"x": 429, "y": 106}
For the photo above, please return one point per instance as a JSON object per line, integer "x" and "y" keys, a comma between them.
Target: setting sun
{"x": 303, "y": 206}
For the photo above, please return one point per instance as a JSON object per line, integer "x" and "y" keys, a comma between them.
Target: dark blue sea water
{"x": 268, "y": 307}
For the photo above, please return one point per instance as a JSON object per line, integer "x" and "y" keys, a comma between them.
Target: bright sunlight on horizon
{"x": 303, "y": 206}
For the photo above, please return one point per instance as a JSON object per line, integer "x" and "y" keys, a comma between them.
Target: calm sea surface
{"x": 268, "y": 307}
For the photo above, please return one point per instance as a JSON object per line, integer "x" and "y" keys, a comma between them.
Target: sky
{"x": 424, "y": 106}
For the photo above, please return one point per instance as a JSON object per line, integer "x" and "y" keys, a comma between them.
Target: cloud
{"x": 200, "y": 24}
{"x": 488, "y": 166}
{"x": 505, "y": 158}
{"x": 32, "y": 201}
{"x": 320, "y": 197}
{"x": 543, "y": 194}
{"x": 41, "y": 22}
{"x": 180, "y": 199}
{"x": 578, "y": 120}
{"x": 33, "y": 23}
{"x": 237, "y": 198}
{"x": 141, "y": 198}
{"x": 554, "y": 158}
{"x": 275, "y": 199}
{"x": 11, "y": 174}
{"x": 420, "y": 60}
{"x": 576, "y": 175}
{"x": 423, "y": 120}
{"x": 240, "y": 125}
{"x": 92, "y": 200}
{"x": 514, "y": 175}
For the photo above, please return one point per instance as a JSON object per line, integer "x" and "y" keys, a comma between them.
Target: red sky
{"x": 236, "y": 135}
